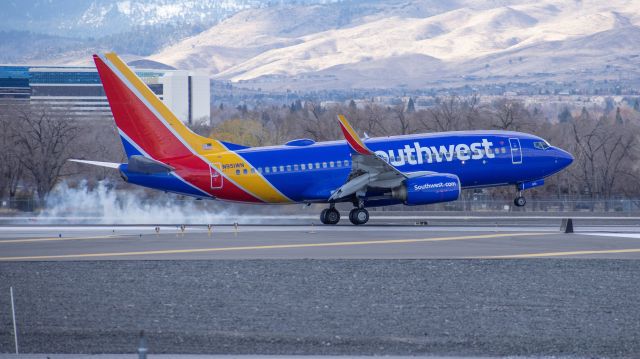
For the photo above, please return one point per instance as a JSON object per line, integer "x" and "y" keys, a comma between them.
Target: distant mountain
{"x": 61, "y": 31}
{"x": 416, "y": 43}
{"x": 96, "y": 18}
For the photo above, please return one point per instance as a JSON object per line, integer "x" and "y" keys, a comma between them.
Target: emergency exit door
{"x": 216, "y": 177}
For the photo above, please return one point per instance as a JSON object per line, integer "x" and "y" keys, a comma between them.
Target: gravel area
{"x": 587, "y": 308}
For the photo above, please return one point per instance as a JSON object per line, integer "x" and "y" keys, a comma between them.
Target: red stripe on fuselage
{"x": 141, "y": 125}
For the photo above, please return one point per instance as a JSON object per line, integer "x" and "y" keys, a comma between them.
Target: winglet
{"x": 352, "y": 138}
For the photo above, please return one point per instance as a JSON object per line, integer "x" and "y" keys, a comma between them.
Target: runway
{"x": 26, "y": 243}
{"x": 471, "y": 290}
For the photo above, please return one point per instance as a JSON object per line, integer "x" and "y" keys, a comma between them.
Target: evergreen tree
{"x": 636, "y": 105}
{"x": 411, "y": 107}
{"x": 352, "y": 106}
{"x": 565, "y": 116}
{"x": 619, "y": 119}
{"x": 608, "y": 105}
{"x": 584, "y": 114}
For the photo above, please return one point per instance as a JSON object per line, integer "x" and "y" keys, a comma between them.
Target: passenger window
{"x": 317, "y": 165}
{"x": 288, "y": 168}
{"x": 244, "y": 171}
{"x": 346, "y": 163}
{"x": 331, "y": 164}
{"x": 253, "y": 170}
{"x": 237, "y": 172}
{"x": 324, "y": 165}
{"x": 281, "y": 168}
{"x": 266, "y": 170}
{"x": 274, "y": 169}
{"x": 310, "y": 166}
{"x": 339, "y": 163}
{"x": 295, "y": 167}
{"x": 303, "y": 166}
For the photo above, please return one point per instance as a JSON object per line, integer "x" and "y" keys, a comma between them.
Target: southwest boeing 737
{"x": 420, "y": 169}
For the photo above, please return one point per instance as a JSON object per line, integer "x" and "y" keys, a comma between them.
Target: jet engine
{"x": 428, "y": 189}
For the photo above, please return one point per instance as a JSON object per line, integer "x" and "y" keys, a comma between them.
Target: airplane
{"x": 418, "y": 169}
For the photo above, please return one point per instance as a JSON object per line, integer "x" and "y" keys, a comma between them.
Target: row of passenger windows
{"x": 295, "y": 168}
{"x": 333, "y": 164}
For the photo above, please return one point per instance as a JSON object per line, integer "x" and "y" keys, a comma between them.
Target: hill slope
{"x": 413, "y": 43}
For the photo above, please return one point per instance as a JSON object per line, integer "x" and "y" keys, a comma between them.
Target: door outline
{"x": 214, "y": 175}
{"x": 516, "y": 151}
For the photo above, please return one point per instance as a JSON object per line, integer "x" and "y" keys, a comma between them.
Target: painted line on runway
{"x": 29, "y": 240}
{"x": 561, "y": 254}
{"x": 276, "y": 246}
{"x": 610, "y": 234}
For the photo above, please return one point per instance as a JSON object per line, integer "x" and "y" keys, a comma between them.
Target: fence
{"x": 623, "y": 206}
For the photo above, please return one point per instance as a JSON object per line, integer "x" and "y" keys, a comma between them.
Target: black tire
{"x": 520, "y": 201}
{"x": 359, "y": 216}
{"x": 323, "y": 216}
{"x": 331, "y": 216}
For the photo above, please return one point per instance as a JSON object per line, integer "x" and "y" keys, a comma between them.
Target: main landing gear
{"x": 357, "y": 216}
{"x": 520, "y": 201}
{"x": 330, "y": 215}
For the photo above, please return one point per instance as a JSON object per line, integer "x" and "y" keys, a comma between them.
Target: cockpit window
{"x": 543, "y": 145}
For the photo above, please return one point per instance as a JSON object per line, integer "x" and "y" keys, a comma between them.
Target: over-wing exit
{"x": 413, "y": 170}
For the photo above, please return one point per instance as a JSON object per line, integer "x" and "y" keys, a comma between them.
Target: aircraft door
{"x": 216, "y": 177}
{"x": 516, "y": 151}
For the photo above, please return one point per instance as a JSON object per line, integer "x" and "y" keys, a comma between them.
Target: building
{"x": 78, "y": 91}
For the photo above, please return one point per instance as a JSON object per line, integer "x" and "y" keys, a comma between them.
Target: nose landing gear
{"x": 519, "y": 201}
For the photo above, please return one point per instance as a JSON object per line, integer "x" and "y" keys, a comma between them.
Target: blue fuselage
{"x": 478, "y": 158}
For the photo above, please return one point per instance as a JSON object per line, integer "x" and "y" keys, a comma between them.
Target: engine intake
{"x": 428, "y": 189}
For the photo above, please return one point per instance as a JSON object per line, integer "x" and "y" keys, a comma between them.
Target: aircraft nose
{"x": 563, "y": 158}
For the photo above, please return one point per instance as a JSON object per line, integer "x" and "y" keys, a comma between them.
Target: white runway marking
{"x": 622, "y": 235}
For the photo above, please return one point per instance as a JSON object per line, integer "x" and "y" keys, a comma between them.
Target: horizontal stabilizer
{"x": 98, "y": 163}
{"x": 145, "y": 165}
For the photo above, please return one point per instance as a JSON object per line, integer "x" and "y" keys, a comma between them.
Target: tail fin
{"x": 146, "y": 125}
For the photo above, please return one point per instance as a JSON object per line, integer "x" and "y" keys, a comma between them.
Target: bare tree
{"x": 509, "y": 115}
{"x": 45, "y": 138}
{"x": 602, "y": 151}
{"x": 11, "y": 169}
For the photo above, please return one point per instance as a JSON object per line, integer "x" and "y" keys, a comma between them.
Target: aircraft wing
{"x": 368, "y": 169}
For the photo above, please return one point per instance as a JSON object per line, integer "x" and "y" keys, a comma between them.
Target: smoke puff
{"x": 105, "y": 205}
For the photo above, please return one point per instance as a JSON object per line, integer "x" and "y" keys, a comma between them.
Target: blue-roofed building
{"x": 14, "y": 82}
{"x": 78, "y": 91}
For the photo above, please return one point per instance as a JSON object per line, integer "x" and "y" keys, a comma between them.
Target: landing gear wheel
{"x": 520, "y": 201}
{"x": 359, "y": 216}
{"x": 330, "y": 216}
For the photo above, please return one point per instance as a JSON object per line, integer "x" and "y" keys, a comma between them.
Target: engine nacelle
{"x": 428, "y": 189}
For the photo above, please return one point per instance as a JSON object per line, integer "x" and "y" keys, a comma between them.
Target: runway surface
{"x": 532, "y": 307}
{"x": 453, "y": 290}
{"x": 319, "y": 242}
